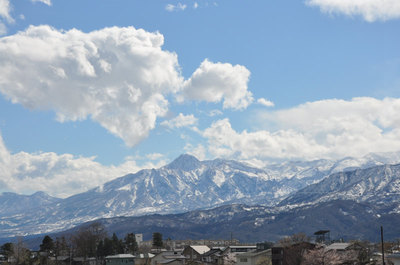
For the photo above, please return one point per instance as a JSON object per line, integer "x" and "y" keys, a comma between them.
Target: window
{"x": 243, "y": 259}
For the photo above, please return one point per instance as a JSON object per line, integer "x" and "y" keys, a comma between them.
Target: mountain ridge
{"x": 184, "y": 185}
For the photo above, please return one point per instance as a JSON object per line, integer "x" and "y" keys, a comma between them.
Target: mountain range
{"x": 284, "y": 192}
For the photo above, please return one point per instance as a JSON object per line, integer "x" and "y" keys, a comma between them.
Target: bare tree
{"x": 20, "y": 252}
{"x": 86, "y": 240}
{"x": 294, "y": 239}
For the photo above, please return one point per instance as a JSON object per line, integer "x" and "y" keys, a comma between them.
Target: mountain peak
{"x": 185, "y": 162}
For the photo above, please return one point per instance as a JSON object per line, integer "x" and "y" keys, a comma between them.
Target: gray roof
{"x": 338, "y": 246}
{"x": 120, "y": 256}
{"x": 254, "y": 253}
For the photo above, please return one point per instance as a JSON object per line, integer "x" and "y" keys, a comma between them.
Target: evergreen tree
{"x": 117, "y": 244}
{"x": 7, "y": 249}
{"x": 157, "y": 240}
{"x": 47, "y": 244}
{"x": 130, "y": 244}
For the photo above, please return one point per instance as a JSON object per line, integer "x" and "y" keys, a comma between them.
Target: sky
{"x": 93, "y": 90}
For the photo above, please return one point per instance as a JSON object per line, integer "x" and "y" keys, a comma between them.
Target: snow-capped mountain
{"x": 183, "y": 185}
{"x": 379, "y": 185}
{"x": 12, "y": 203}
{"x": 314, "y": 171}
{"x": 187, "y": 184}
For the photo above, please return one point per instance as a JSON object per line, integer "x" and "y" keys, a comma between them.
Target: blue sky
{"x": 93, "y": 90}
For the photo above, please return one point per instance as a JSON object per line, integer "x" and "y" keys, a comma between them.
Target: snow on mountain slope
{"x": 183, "y": 185}
{"x": 379, "y": 185}
{"x": 314, "y": 171}
{"x": 12, "y": 203}
{"x": 187, "y": 184}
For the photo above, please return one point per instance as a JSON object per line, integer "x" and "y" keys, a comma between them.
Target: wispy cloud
{"x": 181, "y": 121}
{"x": 47, "y": 2}
{"x": 177, "y": 7}
{"x": 370, "y": 10}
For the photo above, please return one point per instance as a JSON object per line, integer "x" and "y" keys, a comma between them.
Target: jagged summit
{"x": 185, "y": 162}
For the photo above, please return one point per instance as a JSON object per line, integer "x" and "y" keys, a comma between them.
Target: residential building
{"x": 168, "y": 257}
{"x": 120, "y": 259}
{"x": 195, "y": 252}
{"x": 394, "y": 258}
{"x": 143, "y": 258}
{"x": 253, "y": 257}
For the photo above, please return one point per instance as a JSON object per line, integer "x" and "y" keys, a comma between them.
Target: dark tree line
{"x": 89, "y": 241}
{"x": 92, "y": 241}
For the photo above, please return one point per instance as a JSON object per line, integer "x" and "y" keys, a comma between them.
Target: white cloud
{"x": 47, "y": 2}
{"x": 118, "y": 77}
{"x": 322, "y": 129}
{"x": 370, "y": 10}
{"x": 177, "y": 7}
{"x": 214, "y": 82}
{"x": 5, "y": 10}
{"x": 58, "y": 175}
{"x": 215, "y": 112}
{"x": 198, "y": 151}
{"x": 265, "y": 102}
{"x": 155, "y": 156}
{"x": 195, "y": 5}
{"x": 181, "y": 121}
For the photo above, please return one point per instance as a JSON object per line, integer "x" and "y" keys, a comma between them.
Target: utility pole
{"x": 383, "y": 249}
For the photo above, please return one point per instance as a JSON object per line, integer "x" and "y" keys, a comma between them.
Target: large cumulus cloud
{"x": 119, "y": 77}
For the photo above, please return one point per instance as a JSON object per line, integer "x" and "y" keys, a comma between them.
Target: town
{"x": 91, "y": 245}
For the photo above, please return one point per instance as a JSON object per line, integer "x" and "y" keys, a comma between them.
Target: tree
{"x": 47, "y": 245}
{"x": 130, "y": 244}
{"x": 61, "y": 247}
{"x": 105, "y": 248}
{"x": 294, "y": 239}
{"x": 86, "y": 240}
{"x": 117, "y": 245}
{"x": 157, "y": 240}
{"x": 7, "y": 249}
{"x": 20, "y": 252}
{"x": 320, "y": 256}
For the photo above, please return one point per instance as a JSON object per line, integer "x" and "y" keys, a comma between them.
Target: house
{"x": 195, "y": 252}
{"x": 84, "y": 261}
{"x": 2, "y": 259}
{"x": 253, "y": 257}
{"x": 215, "y": 256}
{"x": 168, "y": 257}
{"x": 241, "y": 249}
{"x": 144, "y": 259}
{"x": 61, "y": 260}
{"x": 120, "y": 259}
{"x": 394, "y": 258}
{"x": 338, "y": 246}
